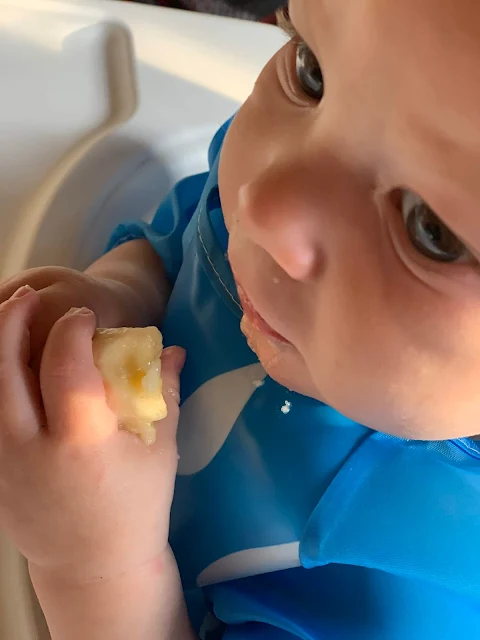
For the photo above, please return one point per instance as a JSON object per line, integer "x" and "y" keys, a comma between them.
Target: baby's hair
{"x": 258, "y": 8}
{"x": 285, "y": 24}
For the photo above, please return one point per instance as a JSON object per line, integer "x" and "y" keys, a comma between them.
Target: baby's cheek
{"x": 361, "y": 371}
{"x": 435, "y": 394}
{"x": 238, "y": 156}
{"x": 261, "y": 132}
{"x": 415, "y": 397}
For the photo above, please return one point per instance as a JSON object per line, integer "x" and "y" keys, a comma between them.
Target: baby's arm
{"x": 136, "y": 269}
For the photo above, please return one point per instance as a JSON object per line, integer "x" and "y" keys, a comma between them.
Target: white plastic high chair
{"x": 104, "y": 106}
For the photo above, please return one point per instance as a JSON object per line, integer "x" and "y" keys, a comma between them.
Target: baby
{"x": 328, "y": 485}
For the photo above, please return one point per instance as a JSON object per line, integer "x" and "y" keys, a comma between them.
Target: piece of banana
{"x": 129, "y": 362}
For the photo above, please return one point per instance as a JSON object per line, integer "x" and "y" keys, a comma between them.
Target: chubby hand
{"x": 78, "y": 497}
{"x": 59, "y": 289}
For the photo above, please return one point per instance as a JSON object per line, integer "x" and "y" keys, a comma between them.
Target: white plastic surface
{"x": 104, "y": 106}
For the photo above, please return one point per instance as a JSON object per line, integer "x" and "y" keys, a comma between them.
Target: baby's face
{"x": 350, "y": 183}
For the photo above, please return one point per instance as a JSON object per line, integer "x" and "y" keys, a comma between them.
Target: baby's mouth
{"x": 256, "y": 320}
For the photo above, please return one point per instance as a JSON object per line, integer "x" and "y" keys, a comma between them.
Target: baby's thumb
{"x": 173, "y": 360}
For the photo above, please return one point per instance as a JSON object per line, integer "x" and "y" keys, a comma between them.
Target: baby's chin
{"x": 282, "y": 361}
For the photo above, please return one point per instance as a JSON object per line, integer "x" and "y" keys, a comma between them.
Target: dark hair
{"x": 259, "y": 8}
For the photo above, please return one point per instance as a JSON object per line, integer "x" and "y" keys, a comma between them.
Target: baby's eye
{"x": 428, "y": 234}
{"x": 309, "y": 74}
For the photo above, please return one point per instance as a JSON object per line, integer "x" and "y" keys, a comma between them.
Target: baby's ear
{"x": 258, "y": 8}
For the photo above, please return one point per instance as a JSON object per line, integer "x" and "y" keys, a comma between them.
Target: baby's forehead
{"x": 452, "y": 24}
{"x": 418, "y": 54}
{"x": 447, "y": 28}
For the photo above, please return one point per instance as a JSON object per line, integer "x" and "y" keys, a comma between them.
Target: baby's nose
{"x": 302, "y": 212}
{"x": 279, "y": 211}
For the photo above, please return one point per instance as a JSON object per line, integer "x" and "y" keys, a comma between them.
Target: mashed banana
{"x": 129, "y": 362}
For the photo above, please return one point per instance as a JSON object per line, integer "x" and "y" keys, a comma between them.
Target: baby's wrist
{"x": 87, "y": 574}
{"x": 124, "y": 306}
{"x": 136, "y": 276}
{"x": 139, "y": 603}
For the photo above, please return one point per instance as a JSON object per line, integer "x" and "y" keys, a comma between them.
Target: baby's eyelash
{"x": 285, "y": 24}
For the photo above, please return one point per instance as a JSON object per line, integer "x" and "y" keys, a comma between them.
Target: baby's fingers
{"x": 72, "y": 388}
{"x": 20, "y": 403}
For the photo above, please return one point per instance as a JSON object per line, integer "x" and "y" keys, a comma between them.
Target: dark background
{"x": 263, "y": 10}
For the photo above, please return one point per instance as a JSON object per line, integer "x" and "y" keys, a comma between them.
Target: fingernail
{"x": 176, "y": 358}
{"x": 23, "y": 291}
{"x": 79, "y": 311}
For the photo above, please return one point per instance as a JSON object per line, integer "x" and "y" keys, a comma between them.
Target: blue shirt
{"x": 290, "y": 521}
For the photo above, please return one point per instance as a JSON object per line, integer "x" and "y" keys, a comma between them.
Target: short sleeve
{"x": 165, "y": 233}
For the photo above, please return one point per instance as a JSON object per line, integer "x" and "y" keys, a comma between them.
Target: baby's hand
{"x": 59, "y": 290}
{"x": 80, "y": 499}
